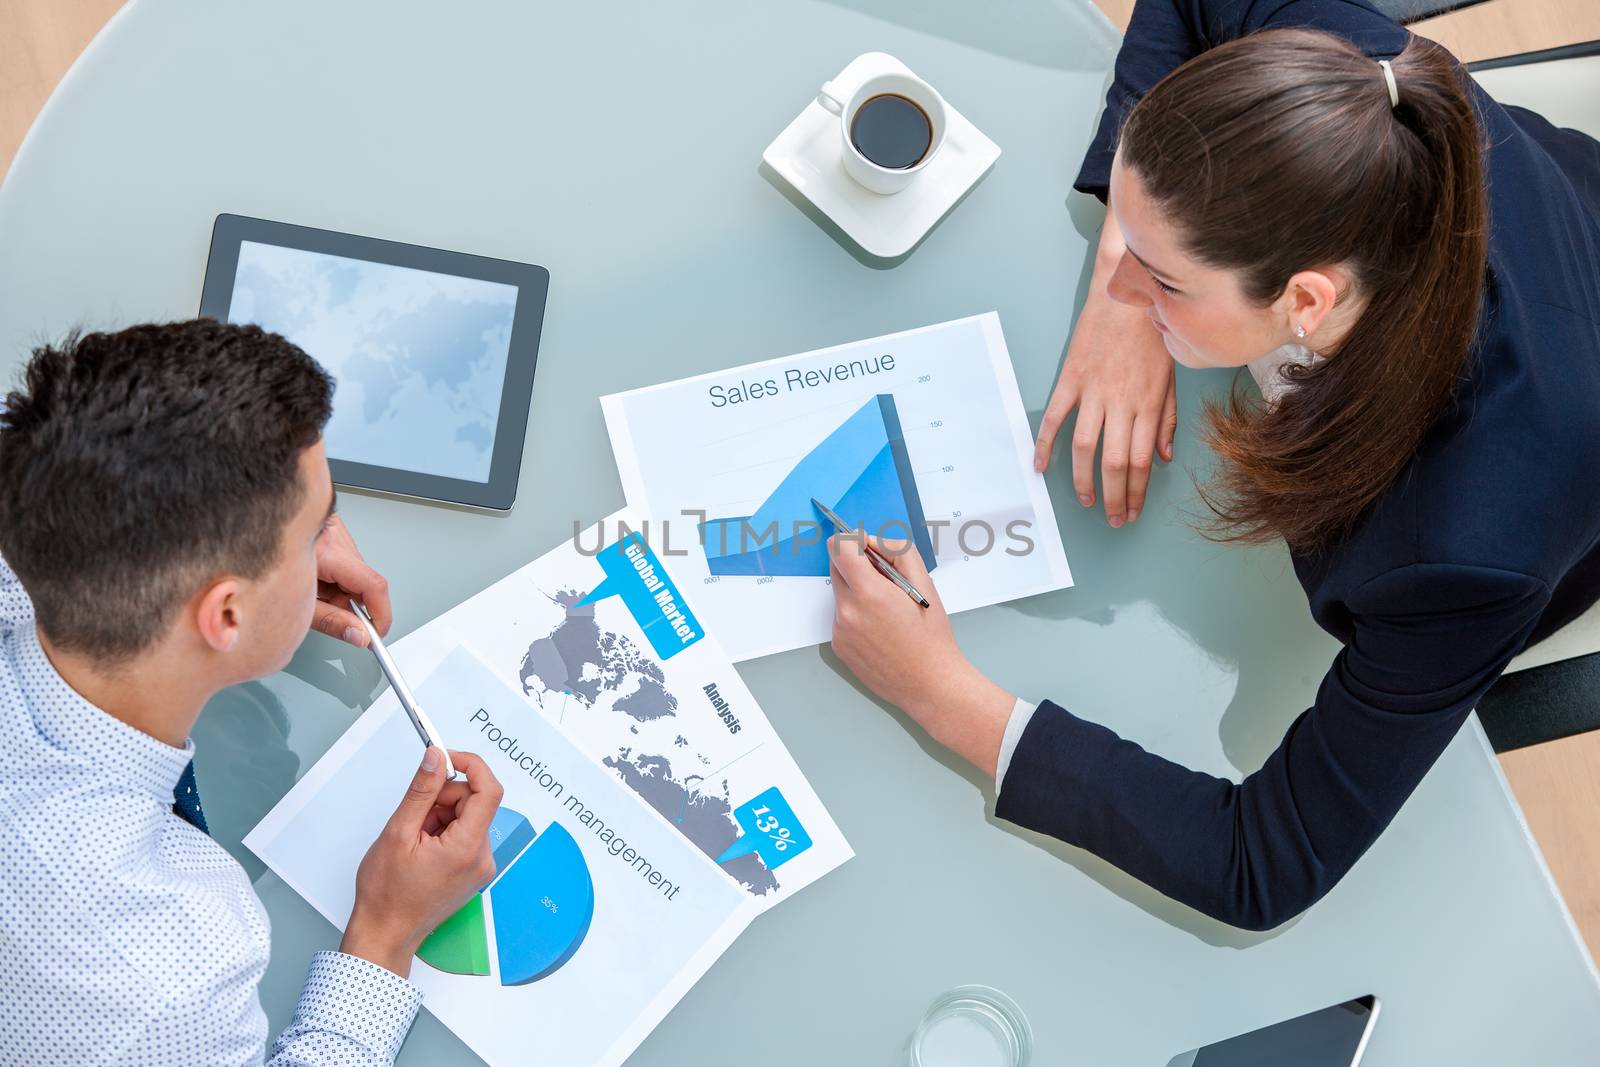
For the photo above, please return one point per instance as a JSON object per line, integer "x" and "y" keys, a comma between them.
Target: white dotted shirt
{"x": 128, "y": 936}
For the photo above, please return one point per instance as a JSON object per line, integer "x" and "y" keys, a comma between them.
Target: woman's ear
{"x": 1307, "y": 301}
{"x": 217, "y": 615}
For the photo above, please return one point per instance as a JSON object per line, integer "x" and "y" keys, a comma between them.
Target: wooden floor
{"x": 1558, "y": 784}
{"x": 39, "y": 39}
{"x": 1511, "y": 27}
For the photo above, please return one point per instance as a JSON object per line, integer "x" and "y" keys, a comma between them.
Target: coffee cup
{"x": 892, "y": 126}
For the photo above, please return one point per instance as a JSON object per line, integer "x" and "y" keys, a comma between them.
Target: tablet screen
{"x": 419, "y": 358}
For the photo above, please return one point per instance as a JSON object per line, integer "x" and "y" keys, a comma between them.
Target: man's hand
{"x": 907, "y": 654}
{"x": 342, "y": 575}
{"x": 429, "y": 860}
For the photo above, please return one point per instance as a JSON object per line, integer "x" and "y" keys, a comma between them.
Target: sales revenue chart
{"x": 918, "y": 436}
{"x": 861, "y": 469}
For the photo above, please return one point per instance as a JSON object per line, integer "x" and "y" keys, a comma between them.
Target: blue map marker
{"x": 635, "y": 574}
{"x": 771, "y": 831}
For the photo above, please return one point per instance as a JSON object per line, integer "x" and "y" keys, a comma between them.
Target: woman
{"x": 1413, "y": 273}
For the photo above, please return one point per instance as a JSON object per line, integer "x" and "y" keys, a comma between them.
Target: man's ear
{"x": 218, "y": 614}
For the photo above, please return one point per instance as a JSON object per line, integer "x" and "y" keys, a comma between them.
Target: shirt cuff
{"x": 369, "y": 1005}
{"x": 1021, "y": 715}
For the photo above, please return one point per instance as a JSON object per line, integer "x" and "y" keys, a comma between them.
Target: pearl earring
{"x": 1299, "y": 331}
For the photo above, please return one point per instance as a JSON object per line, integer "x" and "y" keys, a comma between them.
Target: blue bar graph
{"x": 861, "y": 470}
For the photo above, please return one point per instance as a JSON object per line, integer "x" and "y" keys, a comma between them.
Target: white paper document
{"x": 650, "y": 809}
{"x": 919, "y": 436}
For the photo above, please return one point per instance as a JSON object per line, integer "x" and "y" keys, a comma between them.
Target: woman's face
{"x": 1202, "y": 313}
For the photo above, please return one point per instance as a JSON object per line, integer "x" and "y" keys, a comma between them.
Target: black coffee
{"x": 892, "y": 131}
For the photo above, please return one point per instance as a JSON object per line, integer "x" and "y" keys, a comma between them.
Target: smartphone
{"x": 1333, "y": 1037}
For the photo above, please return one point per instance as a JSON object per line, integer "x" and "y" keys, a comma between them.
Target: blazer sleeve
{"x": 1428, "y": 640}
{"x": 1162, "y": 35}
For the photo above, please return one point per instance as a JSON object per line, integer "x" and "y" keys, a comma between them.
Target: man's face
{"x": 278, "y": 605}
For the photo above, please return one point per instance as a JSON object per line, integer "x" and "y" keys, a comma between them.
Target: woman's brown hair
{"x": 1280, "y": 152}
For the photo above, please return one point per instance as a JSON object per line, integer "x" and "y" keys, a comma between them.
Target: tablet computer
{"x": 432, "y": 352}
{"x": 1333, "y": 1037}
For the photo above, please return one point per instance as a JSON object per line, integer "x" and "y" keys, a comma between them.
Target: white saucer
{"x": 809, "y": 156}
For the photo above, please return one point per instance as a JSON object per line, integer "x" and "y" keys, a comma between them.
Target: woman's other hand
{"x": 1120, "y": 378}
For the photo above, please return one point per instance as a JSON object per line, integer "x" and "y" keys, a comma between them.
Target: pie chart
{"x": 537, "y": 908}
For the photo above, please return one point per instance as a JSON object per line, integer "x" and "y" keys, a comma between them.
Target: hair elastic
{"x": 1388, "y": 77}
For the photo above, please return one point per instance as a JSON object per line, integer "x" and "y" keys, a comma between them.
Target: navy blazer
{"x": 1488, "y": 541}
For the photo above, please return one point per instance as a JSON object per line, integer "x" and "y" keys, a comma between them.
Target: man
{"x": 166, "y": 509}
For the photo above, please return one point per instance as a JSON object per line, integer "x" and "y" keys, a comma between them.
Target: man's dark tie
{"x": 186, "y": 800}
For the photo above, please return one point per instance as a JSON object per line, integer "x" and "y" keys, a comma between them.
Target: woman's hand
{"x": 342, "y": 576}
{"x": 427, "y": 862}
{"x": 907, "y": 654}
{"x": 1120, "y": 377}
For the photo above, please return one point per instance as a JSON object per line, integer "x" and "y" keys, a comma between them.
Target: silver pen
{"x": 879, "y": 560}
{"x": 397, "y": 682}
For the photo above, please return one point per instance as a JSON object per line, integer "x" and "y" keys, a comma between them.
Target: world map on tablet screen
{"x": 419, "y": 358}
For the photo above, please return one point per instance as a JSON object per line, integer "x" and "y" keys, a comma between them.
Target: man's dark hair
{"x": 136, "y": 465}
